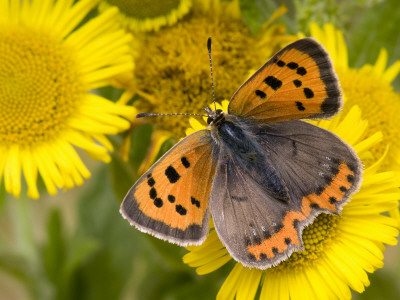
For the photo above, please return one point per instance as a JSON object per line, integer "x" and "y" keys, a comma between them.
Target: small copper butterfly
{"x": 263, "y": 174}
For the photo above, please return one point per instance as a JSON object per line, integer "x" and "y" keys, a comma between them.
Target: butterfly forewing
{"x": 170, "y": 200}
{"x": 297, "y": 82}
{"x": 319, "y": 170}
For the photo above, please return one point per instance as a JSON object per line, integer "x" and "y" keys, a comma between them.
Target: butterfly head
{"x": 214, "y": 117}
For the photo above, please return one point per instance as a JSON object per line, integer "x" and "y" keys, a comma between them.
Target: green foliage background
{"x": 77, "y": 246}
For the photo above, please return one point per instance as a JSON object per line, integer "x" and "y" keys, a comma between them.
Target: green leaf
{"x": 54, "y": 250}
{"x": 373, "y": 30}
{"x": 80, "y": 252}
{"x": 123, "y": 175}
{"x": 140, "y": 142}
{"x": 256, "y": 12}
{"x": 110, "y": 92}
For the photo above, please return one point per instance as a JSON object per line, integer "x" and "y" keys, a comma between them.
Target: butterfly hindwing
{"x": 170, "y": 200}
{"x": 297, "y": 82}
{"x": 319, "y": 171}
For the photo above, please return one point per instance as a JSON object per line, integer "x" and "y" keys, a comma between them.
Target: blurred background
{"x": 76, "y": 245}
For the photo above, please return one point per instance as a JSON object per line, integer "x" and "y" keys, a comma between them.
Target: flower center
{"x": 38, "y": 86}
{"x": 380, "y": 106}
{"x": 316, "y": 237}
{"x": 173, "y": 66}
{"x": 145, "y": 9}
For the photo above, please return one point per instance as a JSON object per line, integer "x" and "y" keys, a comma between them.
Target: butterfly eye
{"x": 209, "y": 120}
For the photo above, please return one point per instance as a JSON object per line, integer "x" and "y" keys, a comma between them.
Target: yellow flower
{"x": 47, "y": 66}
{"x": 370, "y": 88}
{"x": 172, "y": 67}
{"x": 339, "y": 250}
{"x": 148, "y": 15}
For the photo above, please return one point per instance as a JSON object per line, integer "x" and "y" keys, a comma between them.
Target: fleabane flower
{"x": 49, "y": 62}
{"x": 172, "y": 66}
{"x": 369, "y": 87}
{"x": 172, "y": 71}
{"x": 339, "y": 250}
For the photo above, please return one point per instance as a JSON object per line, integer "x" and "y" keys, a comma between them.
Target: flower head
{"x": 339, "y": 250}
{"x": 148, "y": 15}
{"x": 172, "y": 67}
{"x": 46, "y": 71}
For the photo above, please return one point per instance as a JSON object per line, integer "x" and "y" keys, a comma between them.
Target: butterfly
{"x": 262, "y": 173}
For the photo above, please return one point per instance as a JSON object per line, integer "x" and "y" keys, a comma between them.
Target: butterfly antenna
{"x": 212, "y": 79}
{"x": 143, "y": 115}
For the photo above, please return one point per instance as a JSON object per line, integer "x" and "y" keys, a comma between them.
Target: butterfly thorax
{"x": 236, "y": 140}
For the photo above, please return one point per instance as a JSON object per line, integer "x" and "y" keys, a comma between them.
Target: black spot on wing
{"x": 172, "y": 175}
{"x": 171, "y": 198}
{"x": 300, "y": 106}
{"x": 158, "y": 202}
{"x": 251, "y": 256}
{"x": 195, "y": 202}
{"x": 328, "y": 179}
{"x": 288, "y": 241}
{"x": 297, "y": 83}
{"x": 334, "y": 171}
{"x": 295, "y": 223}
{"x": 185, "y": 162}
{"x": 151, "y": 181}
{"x": 273, "y": 82}
{"x": 350, "y": 178}
{"x": 301, "y": 71}
{"x": 280, "y": 63}
{"x": 292, "y": 65}
{"x": 261, "y": 94}
{"x": 319, "y": 190}
{"x": 153, "y": 193}
{"x": 332, "y": 200}
{"x": 352, "y": 167}
{"x": 308, "y": 93}
{"x": 314, "y": 205}
{"x": 257, "y": 240}
{"x": 180, "y": 210}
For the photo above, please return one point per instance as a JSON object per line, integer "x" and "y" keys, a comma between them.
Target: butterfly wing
{"x": 170, "y": 200}
{"x": 297, "y": 82}
{"x": 320, "y": 172}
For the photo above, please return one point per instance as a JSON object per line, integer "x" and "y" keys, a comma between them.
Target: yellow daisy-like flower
{"x": 339, "y": 250}
{"x": 148, "y": 15}
{"x": 370, "y": 88}
{"x": 172, "y": 66}
{"x": 46, "y": 70}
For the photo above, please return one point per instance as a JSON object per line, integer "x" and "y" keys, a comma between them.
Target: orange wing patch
{"x": 329, "y": 199}
{"x": 298, "y": 82}
{"x": 176, "y": 192}
{"x": 171, "y": 199}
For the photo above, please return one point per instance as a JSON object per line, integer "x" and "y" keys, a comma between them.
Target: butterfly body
{"x": 263, "y": 174}
{"x": 235, "y": 138}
